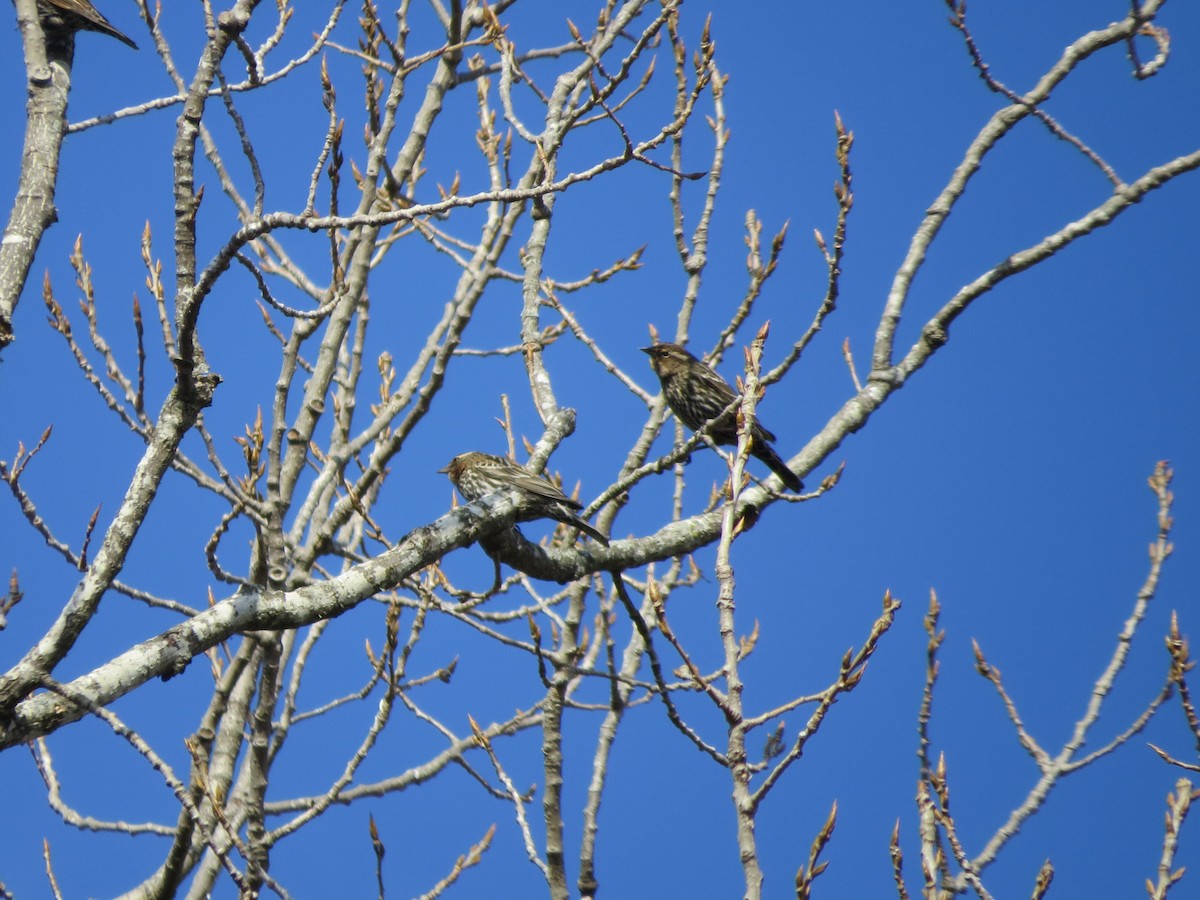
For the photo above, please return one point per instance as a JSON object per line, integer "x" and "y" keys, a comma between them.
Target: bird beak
{"x": 647, "y": 350}
{"x": 444, "y": 469}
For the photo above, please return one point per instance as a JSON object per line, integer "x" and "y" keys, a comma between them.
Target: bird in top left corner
{"x": 61, "y": 16}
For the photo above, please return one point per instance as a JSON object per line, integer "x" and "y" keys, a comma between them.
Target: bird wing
{"x": 534, "y": 484}
{"x": 715, "y": 383}
{"x": 722, "y": 387}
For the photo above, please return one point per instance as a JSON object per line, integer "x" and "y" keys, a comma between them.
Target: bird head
{"x": 455, "y": 467}
{"x": 667, "y": 359}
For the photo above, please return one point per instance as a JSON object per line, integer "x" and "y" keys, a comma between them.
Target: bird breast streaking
{"x": 478, "y": 474}
{"x": 697, "y": 394}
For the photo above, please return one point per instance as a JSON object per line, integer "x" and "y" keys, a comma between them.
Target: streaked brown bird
{"x": 478, "y": 474}
{"x": 59, "y": 16}
{"x": 697, "y": 394}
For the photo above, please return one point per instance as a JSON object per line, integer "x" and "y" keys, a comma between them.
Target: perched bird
{"x": 696, "y": 394}
{"x": 61, "y": 16}
{"x": 478, "y": 474}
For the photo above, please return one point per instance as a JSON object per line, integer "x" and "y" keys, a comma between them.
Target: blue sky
{"x": 1008, "y": 475}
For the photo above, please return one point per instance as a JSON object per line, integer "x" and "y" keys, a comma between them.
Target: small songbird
{"x": 59, "y": 16}
{"x": 696, "y": 394}
{"x": 478, "y": 474}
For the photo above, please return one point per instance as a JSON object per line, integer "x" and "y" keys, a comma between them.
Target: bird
{"x": 63, "y": 16}
{"x": 697, "y": 394}
{"x": 478, "y": 474}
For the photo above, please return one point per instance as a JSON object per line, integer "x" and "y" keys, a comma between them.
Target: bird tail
{"x": 561, "y": 513}
{"x": 778, "y": 466}
{"x": 589, "y": 530}
{"x": 123, "y": 38}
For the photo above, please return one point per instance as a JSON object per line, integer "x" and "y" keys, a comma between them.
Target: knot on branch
{"x": 890, "y": 375}
{"x": 935, "y": 334}
{"x": 233, "y": 21}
